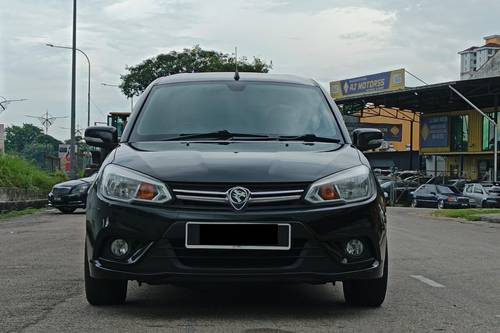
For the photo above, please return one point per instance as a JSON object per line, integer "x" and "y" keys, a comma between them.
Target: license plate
{"x": 57, "y": 199}
{"x": 249, "y": 236}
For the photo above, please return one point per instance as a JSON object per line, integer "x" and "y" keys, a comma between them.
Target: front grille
{"x": 61, "y": 190}
{"x": 215, "y": 196}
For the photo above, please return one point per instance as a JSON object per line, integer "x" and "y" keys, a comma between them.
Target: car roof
{"x": 225, "y": 76}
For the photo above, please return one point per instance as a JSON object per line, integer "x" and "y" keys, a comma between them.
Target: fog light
{"x": 354, "y": 247}
{"x": 119, "y": 247}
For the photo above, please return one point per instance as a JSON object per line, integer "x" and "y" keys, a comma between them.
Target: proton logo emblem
{"x": 238, "y": 197}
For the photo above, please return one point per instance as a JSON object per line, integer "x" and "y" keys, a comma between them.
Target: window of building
{"x": 459, "y": 133}
{"x": 488, "y": 132}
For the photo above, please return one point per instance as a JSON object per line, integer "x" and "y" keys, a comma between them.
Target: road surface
{"x": 444, "y": 277}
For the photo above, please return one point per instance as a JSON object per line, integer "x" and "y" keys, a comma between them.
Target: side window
{"x": 478, "y": 189}
{"x": 468, "y": 188}
{"x": 422, "y": 189}
{"x": 432, "y": 189}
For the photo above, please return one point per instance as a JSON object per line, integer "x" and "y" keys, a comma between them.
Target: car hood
{"x": 76, "y": 182}
{"x": 70, "y": 183}
{"x": 236, "y": 162}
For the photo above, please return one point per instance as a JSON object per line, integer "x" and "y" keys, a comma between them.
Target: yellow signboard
{"x": 380, "y": 82}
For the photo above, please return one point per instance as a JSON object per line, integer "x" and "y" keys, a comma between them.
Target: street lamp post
{"x": 88, "y": 88}
{"x": 117, "y": 86}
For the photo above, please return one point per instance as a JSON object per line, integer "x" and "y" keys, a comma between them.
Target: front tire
{"x": 367, "y": 292}
{"x": 67, "y": 210}
{"x": 101, "y": 291}
{"x": 484, "y": 204}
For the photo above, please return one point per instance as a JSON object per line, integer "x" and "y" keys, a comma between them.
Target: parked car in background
{"x": 440, "y": 196}
{"x": 70, "y": 195}
{"x": 483, "y": 195}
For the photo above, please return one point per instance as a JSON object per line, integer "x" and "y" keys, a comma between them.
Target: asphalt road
{"x": 444, "y": 276}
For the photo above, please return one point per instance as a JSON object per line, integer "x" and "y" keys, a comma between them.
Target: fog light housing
{"x": 119, "y": 247}
{"x": 354, "y": 248}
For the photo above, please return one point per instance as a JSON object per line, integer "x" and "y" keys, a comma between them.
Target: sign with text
{"x": 434, "y": 132}
{"x": 392, "y": 132}
{"x": 380, "y": 82}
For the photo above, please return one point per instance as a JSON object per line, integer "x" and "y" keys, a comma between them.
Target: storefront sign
{"x": 392, "y": 132}
{"x": 379, "y": 82}
{"x": 434, "y": 132}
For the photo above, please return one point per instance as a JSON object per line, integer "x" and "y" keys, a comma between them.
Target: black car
{"x": 70, "y": 195}
{"x": 223, "y": 177}
{"x": 440, "y": 196}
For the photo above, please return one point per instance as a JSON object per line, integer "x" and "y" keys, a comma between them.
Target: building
{"x": 455, "y": 140}
{"x": 400, "y": 127}
{"x": 480, "y": 62}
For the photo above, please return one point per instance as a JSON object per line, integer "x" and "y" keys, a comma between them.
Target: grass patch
{"x": 17, "y": 172}
{"x": 16, "y": 213}
{"x": 467, "y": 214}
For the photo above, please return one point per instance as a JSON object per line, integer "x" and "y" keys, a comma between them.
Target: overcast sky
{"x": 323, "y": 39}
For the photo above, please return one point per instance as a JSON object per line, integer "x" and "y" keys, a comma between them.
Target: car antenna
{"x": 236, "y": 73}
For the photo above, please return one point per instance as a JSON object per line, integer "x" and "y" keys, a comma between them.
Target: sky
{"x": 323, "y": 39}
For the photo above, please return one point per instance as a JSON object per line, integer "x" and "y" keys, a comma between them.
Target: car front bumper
{"x": 67, "y": 200}
{"x": 157, "y": 236}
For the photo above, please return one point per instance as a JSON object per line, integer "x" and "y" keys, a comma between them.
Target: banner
{"x": 380, "y": 82}
{"x": 434, "y": 132}
{"x": 392, "y": 132}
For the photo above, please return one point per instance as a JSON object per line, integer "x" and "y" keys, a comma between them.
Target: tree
{"x": 29, "y": 142}
{"x": 189, "y": 60}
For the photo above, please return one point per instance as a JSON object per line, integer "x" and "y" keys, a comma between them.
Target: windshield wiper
{"x": 220, "y": 135}
{"x": 307, "y": 138}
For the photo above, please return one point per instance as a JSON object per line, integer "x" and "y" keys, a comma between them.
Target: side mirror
{"x": 367, "y": 138}
{"x": 102, "y": 136}
{"x": 433, "y": 193}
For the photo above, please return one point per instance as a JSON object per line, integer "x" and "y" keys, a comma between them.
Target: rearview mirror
{"x": 102, "y": 136}
{"x": 367, "y": 138}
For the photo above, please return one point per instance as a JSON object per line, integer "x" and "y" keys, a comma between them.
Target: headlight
{"x": 122, "y": 184}
{"x": 80, "y": 189}
{"x": 353, "y": 184}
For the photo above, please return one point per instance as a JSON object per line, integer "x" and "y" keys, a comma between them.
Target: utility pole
{"x": 74, "y": 167}
{"x": 47, "y": 120}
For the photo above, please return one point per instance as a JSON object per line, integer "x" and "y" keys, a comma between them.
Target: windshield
{"x": 269, "y": 109}
{"x": 446, "y": 190}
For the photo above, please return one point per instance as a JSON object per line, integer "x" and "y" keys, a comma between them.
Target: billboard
{"x": 392, "y": 132}
{"x": 434, "y": 132}
{"x": 380, "y": 82}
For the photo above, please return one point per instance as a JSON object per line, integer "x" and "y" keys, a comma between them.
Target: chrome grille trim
{"x": 221, "y": 197}
{"x": 201, "y": 198}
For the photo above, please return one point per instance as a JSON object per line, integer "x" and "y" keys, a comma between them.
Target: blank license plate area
{"x": 238, "y": 236}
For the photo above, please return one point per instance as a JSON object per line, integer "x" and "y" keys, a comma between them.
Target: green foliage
{"x": 17, "y": 172}
{"x": 30, "y": 143}
{"x": 17, "y": 213}
{"x": 189, "y": 60}
{"x": 468, "y": 214}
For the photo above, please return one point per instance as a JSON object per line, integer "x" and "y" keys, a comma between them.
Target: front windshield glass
{"x": 269, "y": 109}
{"x": 445, "y": 190}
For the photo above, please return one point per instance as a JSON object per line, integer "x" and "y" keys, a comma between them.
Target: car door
{"x": 478, "y": 195}
{"x": 432, "y": 195}
{"x": 423, "y": 195}
{"x": 469, "y": 193}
